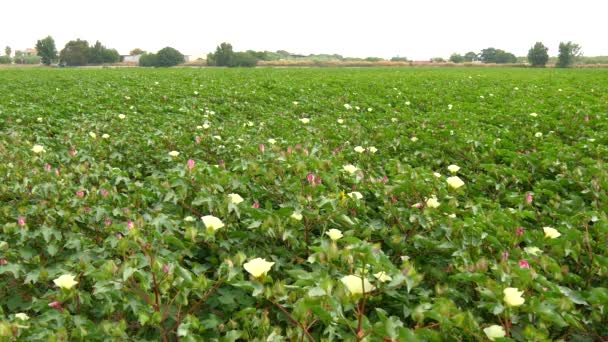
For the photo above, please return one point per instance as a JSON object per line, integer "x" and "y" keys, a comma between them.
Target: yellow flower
{"x": 455, "y": 182}
{"x": 551, "y": 232}
{"x": 121, "y": 116}
{"x": 494, "y": 331}
{"x": 393, "y": 119}
{"x": 383, "y": 277}
{"x": 359, "y": 149}
{"x": 235, "y": 198}
{"x": 513, "y": 296}
{"x": 432, "y": 202}
{"x": 350, "y": 168}
{"x": 22, "y": 316}
{"x": 538, "y": 134}
{"x": 105, "y": 136}
{"x": 297, "y": 216}
{"x": 453, "y": 168}
{"x": 533, "y": 250}
{"x": 533, "y": 114}
{"x": 305, "y": 120}
{"x": 258, "y": 267}
{"x": 414, "y": 139}
{"x": 212, "y": 222}
{"x": 340, "y": 121}
{"x": 372, "y": 149}
{"x": 347, "y": 106}
{"x": 66, "y": 281}
{"x": 38, "y": 148}
{"x": 355, "y": 194}
{"x": 355, "y": 285}
{"x": 217, "y": 137}
{"x": 334, "y": 234}
{"x": 174, "y": 153}
{"x": 39, "y": 120}
{"x": 437, "y": 174}
{"x": 92, "y": 135}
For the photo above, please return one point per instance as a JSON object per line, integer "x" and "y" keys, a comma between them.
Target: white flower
{"x": 407, "y": 103}
{"x": 533, "y": 250}
{"x": 295, "y": 103}
{"x": 195, "y": 92}
{"x": 355, "y": 194}
{"x": 189, "y": 219}
{"x": 340, "y": 121}
{"x": 39, "y": 120}
{"x": 494, "y": 331}
{"x": 305, "y": 120}
{"x": 513, "y": 296}
{"x": 217, "y": 137}
{"x": 350, "y": 168}
{"x": 206, "y": 125}
{"x": 121, "y": 116}
{"x": 437, "y": 174}
{"x": 481, "y": 97}
{"x": 394, "y": 119}
{"x": 66, "y": 281}
{"x": 296, "y": 216}
{"x": 92, "y": 135}
{"x": 272, "y": 141}
{"x": 372, "y": 149}
{"x": 105, "y": 136}
{"x": 383, "y": 277}
{"x": 359, "y": 149}
{"x": 432, "y": 202}
{"x": 533, "y": 114}
{"x": 38, "y": 148}
{"x": 250, "y": 123}
{"x": 212, "y": 222}
{"x": 174, "y": 153}
{"x": 369, "y": 109}
{"x": 455, "y": 182}
{"x": 334, "y": 234}
{"x": 559, "y": 89}
{"x": 347, "y": 106}
{"x": 258, "y": 267}
{"x": 551, "y": 233}
{"x": 453, "y": 168}
{"x": 356, "y": 285}
{"x": 516, "y": 88}
{"x": 357, "y": 107}
{"x": 414, "y": 139}
{"x": 452, "y": 216}
{"x": 235, "y": 198}
{"x": 538, "y": 134}
{"x": 22, "y": 316}
{"x": 450, "y": 107}
{"x": 199, "y": 127}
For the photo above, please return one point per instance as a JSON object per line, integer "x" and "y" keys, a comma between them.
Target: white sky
{"x": 418, "y": 29}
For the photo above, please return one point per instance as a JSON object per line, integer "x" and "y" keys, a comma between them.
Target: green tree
{"x": 8, "y": 50}
{"x": 137, "y": 51}
{"x": 537, "y": 55}
{"x": 75, "y": 53}
{"x": 492, "y": 55}
{"x": 568, "y": 52}
{"x": 456, "y": 58}
{"x": 168, "y": 57}
{"x": 470, "y": 56}
{"x": 99, "y": 54}
{"x": 399, "y": 59}
{"x": 148, "y": 60}
{"x": 243, "y": 59}
{"x": 223, "y": 55}
{"x": 47, "y": 50}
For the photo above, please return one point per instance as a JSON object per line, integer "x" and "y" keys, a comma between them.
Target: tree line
{"x": 79, "y": 52}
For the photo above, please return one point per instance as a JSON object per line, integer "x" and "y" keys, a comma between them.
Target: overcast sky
{"x": 384, "y": 28}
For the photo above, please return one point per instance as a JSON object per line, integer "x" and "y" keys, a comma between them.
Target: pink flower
{"x": 72, "y": 152}
{"x": 529, "y": 198}
{"x": 47, "y": 167}
{"x": 385, "y": 179}
{"x": 56, "y": 172}
{"x": 262, "y": 148}
{"x": 104, "y": 193}
{"x": 80, "y": 194}
{"x": 3, "y": 262}
{"x": 289, "y": 150}
{"x": 524, "y": 264}
{"x": 108, "y": 222}
{"x": 21, "y": 221}
{"x": 520, "y": 231}
{"x": 394, "y": 199}
{"x": 505, "y": 256}
{"x": 198, "y": 140}
{"x": 166, "y": 268}
{"x": 311, "y": 179}
{"x": 130, "y": 225}
{"x": 87, "y": 210}
{"x": 191, "y": 164}
{"x": 119, "y": 236}
{"x": 56, "y": 305}
{"x": 318, "y": 180}
{"x": 256, "y": 205}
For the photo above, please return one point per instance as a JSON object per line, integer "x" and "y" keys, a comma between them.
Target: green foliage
{"x": 148, "y": 60}
{"x": 47, "y": 50}
{"x": 373, "y": 59}
{"x": 470, "y": 57}
{"x": 99, "y": 54}
{"x": 492, "y": 55}
{"x": 8, "y": 51}
{"x": 123, "y": 216}
{"x": 437, "y": 60}
{"x": 243, "y": 59}
{"x": 223, "y": 56}
{"x": 538, "y": 56}
{"x": 399, "y": 59}
{"x": 136, "y": 52}
{"x": 75, "y": 53}
{"x": 568, "y": 52}
{"x": 5, "y": 60}
{"x": 457, "y": 58}
{"x": 21, "y": 58}
{"x": 168, "y": 57}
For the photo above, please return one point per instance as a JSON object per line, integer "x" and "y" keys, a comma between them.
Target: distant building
{"x": 130, "y": 58}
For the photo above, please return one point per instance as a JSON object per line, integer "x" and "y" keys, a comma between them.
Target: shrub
{"x": 538, "y": 56}
{"x": 243, "y": 59}
{"x": 75, "y": 53}
{"x": 148, "y": 60}
{"x": 5, "y": 60}
{"x": 168, "y": 57}
{"x": 568, "y": 52}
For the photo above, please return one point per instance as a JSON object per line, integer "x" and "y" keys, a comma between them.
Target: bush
{"x": 538, "y": 56}
{"x": 243, "y": 59}
{"x": 148, "y": 60}
{"x": 5, "y": 60}
{"x": 456, "y": 58}
{"x": 168, "y": 57}
{"x": 75, "y": 53}
{"x": 568, "y": 52}
{"x": 22, "y": 59}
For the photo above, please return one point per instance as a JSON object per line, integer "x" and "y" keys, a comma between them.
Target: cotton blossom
{"x": 455, "y": 182}
{"x": 359, "y": 149}
{"x": 538, "y": 134}
{"x": 340, "y": 121}
{"x": 437, "y": 174}
{"x": 432, "y": 202}
{"x": 372, "y": 149}
{"x": 453, "y": 168}
{"x": 356, "y": 285}
{"x": 65, "y": 281}
{"x": 212, "y": 222}
{"x": 262, "y": 148}
{"x": 355, "y": 195}
{"x": 524, "y": 264}
{"x": 533, "y": 250}
{"x": 56, "y": 305}
{"x": 235, "y": 198}
{"x": 383, "y": 277}
{"x": 38, "y": 148}
{"x": 334, "y": 234}
{"x": 520, "y": 231}
{"x": 414, "y": 139}
{"x": 258, "y": 267}
{"x": 551, "y": 233}
{"x": 350, "y": 168}
{"x": 121, "y": 116}
{"x": 21, "y": 221}
{"x": 105, "y": 136}
{"x": 494, "y": 331}
{"x": 347, "y": 106}
{"x": 272, "y": 141}
{"x": 529, "y": 198}
{"x": 533, "y": 114}
{"x": 22, "y": 316}
{"x": 296, "y": 216}
{"x": 305, "y": 120}
{"x": 191, "y": 164}
{"x": 513, "y": 297}
{"x": 174, "y": 153}
{"x": 92, "y": 135}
